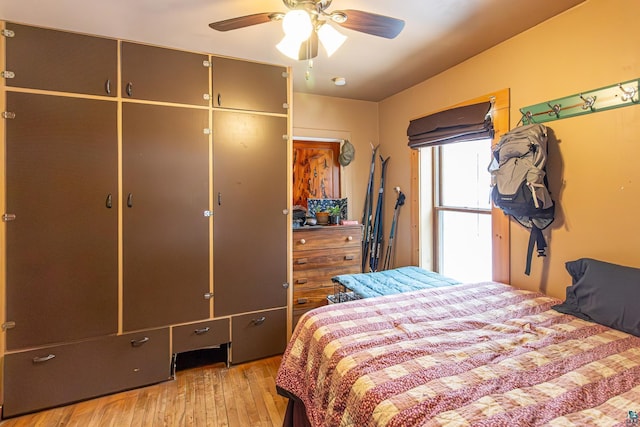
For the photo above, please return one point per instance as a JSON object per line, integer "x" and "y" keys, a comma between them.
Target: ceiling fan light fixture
{"x": 330, "y": 38}
{"x": 290, "y": 47}
{"x": 297, "y": 25}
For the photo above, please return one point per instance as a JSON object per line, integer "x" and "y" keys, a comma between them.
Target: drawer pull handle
{"x": 258, "y": 321}
{"x": 138, "y": 343}
{"x": 43, "y": 359}
{"x": 349, "y": 257}
{"x": 107, "y": 86}
{"x": 302, "y": 261}
{"x": 302, "y": 241}
{"x": 301, "y": 281}
{"x": 129, "y": 89}
{"x": 302, "y": 300}
{"x": 109, "y": 202}
{"x": 349, "y": 238}
{"x": 202, "y": 331}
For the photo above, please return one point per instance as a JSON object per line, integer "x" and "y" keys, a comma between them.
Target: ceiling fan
{"x": 307, "y": 21}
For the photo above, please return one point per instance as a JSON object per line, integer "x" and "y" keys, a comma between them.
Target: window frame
{"x": 500, "y": 224}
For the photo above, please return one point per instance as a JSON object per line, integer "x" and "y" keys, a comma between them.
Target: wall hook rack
{"x": 606, "y": 98}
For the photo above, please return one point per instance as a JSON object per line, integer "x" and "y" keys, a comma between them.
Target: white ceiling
{"x": 438, "y": 34}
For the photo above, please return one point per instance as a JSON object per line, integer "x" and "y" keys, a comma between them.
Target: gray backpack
{"x": 519, "y": 182}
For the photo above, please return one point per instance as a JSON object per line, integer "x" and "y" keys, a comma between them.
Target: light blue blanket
{"x": 402, "y": 279}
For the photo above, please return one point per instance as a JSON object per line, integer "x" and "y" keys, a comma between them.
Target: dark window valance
{"x": 467, "y": 123}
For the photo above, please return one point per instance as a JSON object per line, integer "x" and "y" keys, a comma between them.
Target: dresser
{"x": 319, "y": 253}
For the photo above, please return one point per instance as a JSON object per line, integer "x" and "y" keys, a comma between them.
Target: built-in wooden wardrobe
{"x": 145, "y": 213}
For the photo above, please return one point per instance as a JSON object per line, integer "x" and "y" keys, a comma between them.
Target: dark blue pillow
{"x": 605, "y": 293}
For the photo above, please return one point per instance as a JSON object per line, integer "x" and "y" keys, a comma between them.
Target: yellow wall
{"x": 339, "y": 118}
{"x": 593, "y": 167}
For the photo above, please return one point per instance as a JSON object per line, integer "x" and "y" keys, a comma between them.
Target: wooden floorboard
{"x": 212, "y": 396}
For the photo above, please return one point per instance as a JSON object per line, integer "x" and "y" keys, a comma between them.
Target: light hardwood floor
{"x": 240, "y": 396}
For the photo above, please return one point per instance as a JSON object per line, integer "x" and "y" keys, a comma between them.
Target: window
{"x": 462, "y": 210}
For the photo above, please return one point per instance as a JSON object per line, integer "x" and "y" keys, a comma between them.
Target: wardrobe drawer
{"x": 258, "y": 335}
{"x": 52, "y": 376}
{"x": 339, "y": 236}
{"x": 200, "y": 335}
{"x": 320, "y": 258}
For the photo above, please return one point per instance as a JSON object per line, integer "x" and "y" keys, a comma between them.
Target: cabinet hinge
{"x": 8, "y": 325}
{"x": 8, "y": 217}
{"x": 207, "y": 213}
{"x": 8, "y": 33}
{"x": 8, "y": 115}
{"x": 285, "y": 75}
{"x": 7, "y": 74}
{"x": 207, "y": 63}
{"x": 206, "y": 131}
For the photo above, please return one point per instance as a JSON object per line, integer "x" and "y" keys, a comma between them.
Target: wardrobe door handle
{"x": 138, "y": 343}
{"x": 107, "y": 86}
{"x": 109, "y": 201}
{"x": 130, "y": 200}
{"x": 43, "y": 359}
{"x": 259, "y": 321}
{"x": 202, "y": 331}
{"x": 129, "y": 89}
{"x": 219, "y": 100}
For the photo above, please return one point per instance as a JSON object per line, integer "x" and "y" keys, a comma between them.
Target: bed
{"x": 482, "y": 354}
{"x": 388, "y": 282}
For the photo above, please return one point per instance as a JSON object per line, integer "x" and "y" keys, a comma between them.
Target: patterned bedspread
{"x": 480, "y": 354}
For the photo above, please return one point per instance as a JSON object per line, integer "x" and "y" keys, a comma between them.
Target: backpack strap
{"x": 535, "y": 238}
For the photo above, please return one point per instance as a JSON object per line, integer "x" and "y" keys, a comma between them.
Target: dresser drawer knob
{"x": 349, "y": 238}
{"x": 301, "y": 281}
{"x": 258, "y": 321}
{"x": 202, "y": 331}
{"x": 43, "y": 359}
{"x": 302, "y": 241}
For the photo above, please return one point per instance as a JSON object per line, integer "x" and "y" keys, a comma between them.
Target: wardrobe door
{"x": 243, "y": 85}
{"x": 62, "y": 183}
{"x": 160, "y": 74}
{"x": 250, "y": 228}
{"x": 165, "y": 181}
{"x": 61, "y": 61}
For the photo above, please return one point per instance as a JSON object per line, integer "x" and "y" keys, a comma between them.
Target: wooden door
{"x": 160, "y": 74}
{"x": 61, "y": 61}
{"x": 250, "y": 228}
{"x": 316, "y": 171}
{"x": 62, "y": 183}
{"x": 243, "y": 85}
{"x": 165, "y": 181}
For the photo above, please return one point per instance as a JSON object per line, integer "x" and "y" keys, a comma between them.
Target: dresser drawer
{"x": 200, "y": 335}
{"x": 52, "y": 376}
{"x": 311, "y": 298}
{"x": 307, "y": 279}
{"x": 339, "y": 236}
{"x": 258, "y": 335}
{"x": 320, "y": 258}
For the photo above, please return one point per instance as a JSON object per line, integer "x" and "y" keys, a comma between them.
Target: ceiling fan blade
{"x": 241, "y": 21}
{"x": 309, "y": 48}
{"x": 371, "y": 23}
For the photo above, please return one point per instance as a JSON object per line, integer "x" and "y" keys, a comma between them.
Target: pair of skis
{"x": 373, "y": 239}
